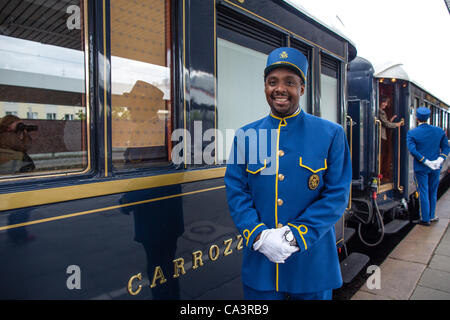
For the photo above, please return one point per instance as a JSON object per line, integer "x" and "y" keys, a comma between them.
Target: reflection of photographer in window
{"x": 14, "y": 143}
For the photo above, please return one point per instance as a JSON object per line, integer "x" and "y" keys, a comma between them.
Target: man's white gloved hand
{"x": 273, "y": 245}
{"x": 430, "y": 164}
{"x": 435, "y": 164}
{"x": 439, "y": 161}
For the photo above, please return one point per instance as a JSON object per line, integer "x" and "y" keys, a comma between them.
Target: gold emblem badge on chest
{"x": 313, "y": 182}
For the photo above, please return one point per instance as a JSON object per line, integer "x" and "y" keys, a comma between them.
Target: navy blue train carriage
{"x": 112, "y": 199}
{"x": 384, "y": 197}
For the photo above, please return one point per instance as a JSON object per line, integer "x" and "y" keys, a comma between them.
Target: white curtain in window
{"x": 241, "y": 97}
{"x": 329, "y": 98}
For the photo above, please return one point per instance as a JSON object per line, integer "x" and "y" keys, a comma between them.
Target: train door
{"x": 386, "y": 113}
{"x": 392, "y": 108}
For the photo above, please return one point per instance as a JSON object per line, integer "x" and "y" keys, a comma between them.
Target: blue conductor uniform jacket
{"x": 427, "y": 142}
{"x": 293, "y": 171}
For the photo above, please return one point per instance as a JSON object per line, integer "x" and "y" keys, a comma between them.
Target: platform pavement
{"x": 419, "y": 267}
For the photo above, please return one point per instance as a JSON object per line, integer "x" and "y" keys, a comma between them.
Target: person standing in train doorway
{"x": 429, "y": 147}
{"x": 287, "y": 182}
{"x": 386, "y": 153}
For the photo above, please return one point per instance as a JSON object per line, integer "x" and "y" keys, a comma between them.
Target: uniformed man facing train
{"x": 429, "y": 147}
{"x": 287, "y": 189}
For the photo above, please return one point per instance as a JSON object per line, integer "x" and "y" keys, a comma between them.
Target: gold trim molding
{"x": 53, "y": 195}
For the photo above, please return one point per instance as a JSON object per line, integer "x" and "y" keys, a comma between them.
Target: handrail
{"x": 399, "y": 187}
{"x": 351, "y": 158}
{"x": 379, "y": 151}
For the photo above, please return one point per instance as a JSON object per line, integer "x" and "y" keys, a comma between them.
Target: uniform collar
{"x": 287, "y": 119}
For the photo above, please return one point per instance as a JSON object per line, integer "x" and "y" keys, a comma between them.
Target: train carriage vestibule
{"x": 386, "y": 113}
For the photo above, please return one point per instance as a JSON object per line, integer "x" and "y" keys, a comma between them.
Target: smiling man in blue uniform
{"x": 429, "y": 147}
{"x": 287, "y": 188}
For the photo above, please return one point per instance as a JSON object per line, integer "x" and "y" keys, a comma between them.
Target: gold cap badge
{"x": 283, "y": 55}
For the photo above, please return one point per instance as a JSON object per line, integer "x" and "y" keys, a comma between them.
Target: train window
{"x": 439, "y": 117}
{"x": 412, "y": 117}
{"x": 441, "y": 122}
{"x": 304, "y": 99}
{"x": 436, "y": 116}
{"x": 329, "y": 89}
{"x": 431, "y": 112}
{"x": 412, "y": 114}
{"x": 444, "y": 121}
{"x": 448, "y": 124}
{"x": 242, "y": 49}
{"x": 141, "y": 80}
{"x": 43, "y": 107}
{"x": 416, "y": 103}
{"x": 238, "y": 106}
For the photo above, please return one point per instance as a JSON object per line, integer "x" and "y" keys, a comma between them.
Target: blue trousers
{"x": 252, "y": 294}
{"x": 427, "y": 185}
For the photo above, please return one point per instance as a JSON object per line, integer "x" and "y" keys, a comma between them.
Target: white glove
{"x": 439, "y": 161}
{"x": 435, "y": 164}
{"x": 273, "y": 245}
{"x": 430, "y": 164}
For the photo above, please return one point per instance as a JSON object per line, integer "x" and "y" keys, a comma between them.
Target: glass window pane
{"x": 241, "y": 98}
{"x": 140, "y": 71}
{"x": 329, "y": 98}
{"x": 42, "y": 78}
{"x": 304, "y": 97}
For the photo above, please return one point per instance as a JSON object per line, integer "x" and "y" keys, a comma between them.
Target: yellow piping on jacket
{"x": 299, "y": 229}
{"x": 314, "y": 171}
{"x": 282, "y": 123}
{"x": 247, "y": 234}
{"x": 260, "y": 169}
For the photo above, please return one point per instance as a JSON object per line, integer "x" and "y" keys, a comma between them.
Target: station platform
{"x": 419, "y": 267}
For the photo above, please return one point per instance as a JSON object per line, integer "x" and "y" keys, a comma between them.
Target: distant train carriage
{"x": 382, "y": 164}
{"x": 126, "y": 198}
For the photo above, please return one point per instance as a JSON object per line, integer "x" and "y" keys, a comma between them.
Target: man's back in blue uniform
{"x": 429, "y": 147}
{"x": 426, "y": 142}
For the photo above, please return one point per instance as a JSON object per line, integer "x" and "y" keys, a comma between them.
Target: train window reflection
{"x": 43, "y": 109}
{"x": 140, "y": 72}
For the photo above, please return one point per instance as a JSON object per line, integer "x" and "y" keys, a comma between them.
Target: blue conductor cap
{"x": 288, "y": 58}
{"x": 422, "y": 113}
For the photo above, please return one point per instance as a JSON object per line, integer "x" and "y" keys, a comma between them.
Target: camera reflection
{"x": 15, "y": 142}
